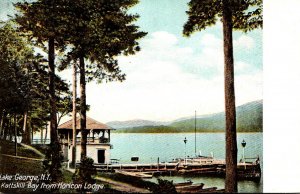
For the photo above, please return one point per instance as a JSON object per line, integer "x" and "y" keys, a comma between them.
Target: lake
{"x": 148, "y": 147}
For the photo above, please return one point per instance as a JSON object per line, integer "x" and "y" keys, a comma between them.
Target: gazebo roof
{"x": 90, "y": 124}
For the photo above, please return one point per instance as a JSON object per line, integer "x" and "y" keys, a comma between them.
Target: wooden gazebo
{"x": 94, "y": 128}
{"x": 98, "y": 140}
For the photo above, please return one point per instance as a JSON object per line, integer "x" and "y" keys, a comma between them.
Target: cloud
{"x": 248, "y": 87}
{"x": 211, "y": 41}
{"x": 244, "y": 42}
{"x": 166, "y": 81}
{"x": 164, "y": 47}
{"x": 242, "y": 67}
{"x": 161, "y": 39}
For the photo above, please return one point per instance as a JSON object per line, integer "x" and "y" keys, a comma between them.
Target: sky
{"x": 172, "y": 76}
{"x": 194, "y": 88}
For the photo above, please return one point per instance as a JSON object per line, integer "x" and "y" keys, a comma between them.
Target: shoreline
{"x": 175, "y": 132}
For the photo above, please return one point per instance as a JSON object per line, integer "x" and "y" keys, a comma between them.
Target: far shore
{"x": 179, "y": 132}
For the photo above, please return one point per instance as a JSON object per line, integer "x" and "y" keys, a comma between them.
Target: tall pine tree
{"x": 242, "y": 15}
{"x": 43, "y": 20}
{"x": 99, "y": 32}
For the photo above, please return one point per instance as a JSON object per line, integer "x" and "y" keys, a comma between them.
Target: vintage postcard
{"x": 131, "y": 96}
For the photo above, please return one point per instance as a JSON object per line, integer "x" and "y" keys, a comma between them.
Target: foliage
{"x": 64, "y": 105}
{"x": 164, "y": 186}
{"x": 99, "y": 31}
{"x": 20, "y": 86}
{"x": 23, "y": 81}
{"x": 246, "y": 15}
{"x": 14, "y": 82}
{"x": 41, "y": 20}
{"x": 96, "y": 31}
{"x": 83, "y": 174}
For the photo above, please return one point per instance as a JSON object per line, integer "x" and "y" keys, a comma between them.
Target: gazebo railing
{"x": 90, "y": 140}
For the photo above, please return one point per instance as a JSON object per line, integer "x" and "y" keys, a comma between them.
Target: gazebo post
{"x": 93, "y": 135}
{"x": 68, "y": 137}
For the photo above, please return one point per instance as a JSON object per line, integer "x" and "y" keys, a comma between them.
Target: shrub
{"x": 83, "y": 174}
{"x": 164, "y": 186}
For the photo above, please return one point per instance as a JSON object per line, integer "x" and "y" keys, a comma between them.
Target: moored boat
{"x": 188, "y": 182}
{"x": 190, "y": 188}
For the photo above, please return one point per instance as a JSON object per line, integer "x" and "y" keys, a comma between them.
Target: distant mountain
{"x": 149, "y": 129}
{"x": 249, "y": 119}
{"x": 134, "y": 123}
{"x": 191, "y": 117}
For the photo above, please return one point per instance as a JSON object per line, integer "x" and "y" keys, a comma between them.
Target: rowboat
{"x": 198, "y": 188}
{"x": 190, "y": 188}
{"x": 188, "y": 182}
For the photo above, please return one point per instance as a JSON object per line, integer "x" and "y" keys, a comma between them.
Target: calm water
{"x": 148, "y": 147}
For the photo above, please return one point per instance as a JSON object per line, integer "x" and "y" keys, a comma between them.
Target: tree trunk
{"x": 26, "y": 132}
{"x": 54, "y": 144}
{"x": 74, "y": 115}
{"x": 32, "y": 132}
{"x": 82, "y": 108}
{"x": 29, "y": 133}
{"x": 46, "y": 133}
{"x": 53, "y": 118}
{"x": 15, "y": 128}
{"x": 10, "y": 128}
{"x": 231, "y": 145}
{"x": 42, "y": 134}
{"x": 1, "y": 122}
{"x": 5, "y": 127}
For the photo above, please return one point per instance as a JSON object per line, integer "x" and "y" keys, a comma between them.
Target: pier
{"x": 205, "y": 166}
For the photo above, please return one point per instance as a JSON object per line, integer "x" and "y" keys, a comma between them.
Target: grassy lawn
{"x": 9, "y": 149}
{"x": 11, "y": 165}
{"x": 33, "y": 166}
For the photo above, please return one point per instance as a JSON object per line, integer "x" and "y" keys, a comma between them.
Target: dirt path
{"x": 124, "y": 187}
{"x": 34, "y": 150}
{"x": 22, "y": 157}
{"x": 27, "y": 158}
{"x": 119, "y": 186}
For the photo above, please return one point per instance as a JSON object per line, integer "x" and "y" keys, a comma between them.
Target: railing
{"x": 90, "y": 140}
{"x": 39, "y": 141}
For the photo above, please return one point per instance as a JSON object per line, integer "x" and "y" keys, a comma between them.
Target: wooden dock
{"x": 205, "y": 167}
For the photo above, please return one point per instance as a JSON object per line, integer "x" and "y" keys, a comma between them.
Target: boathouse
{"x": 98, "y": 140}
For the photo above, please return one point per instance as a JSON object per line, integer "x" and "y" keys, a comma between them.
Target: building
{"x": 98, "y": 140}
